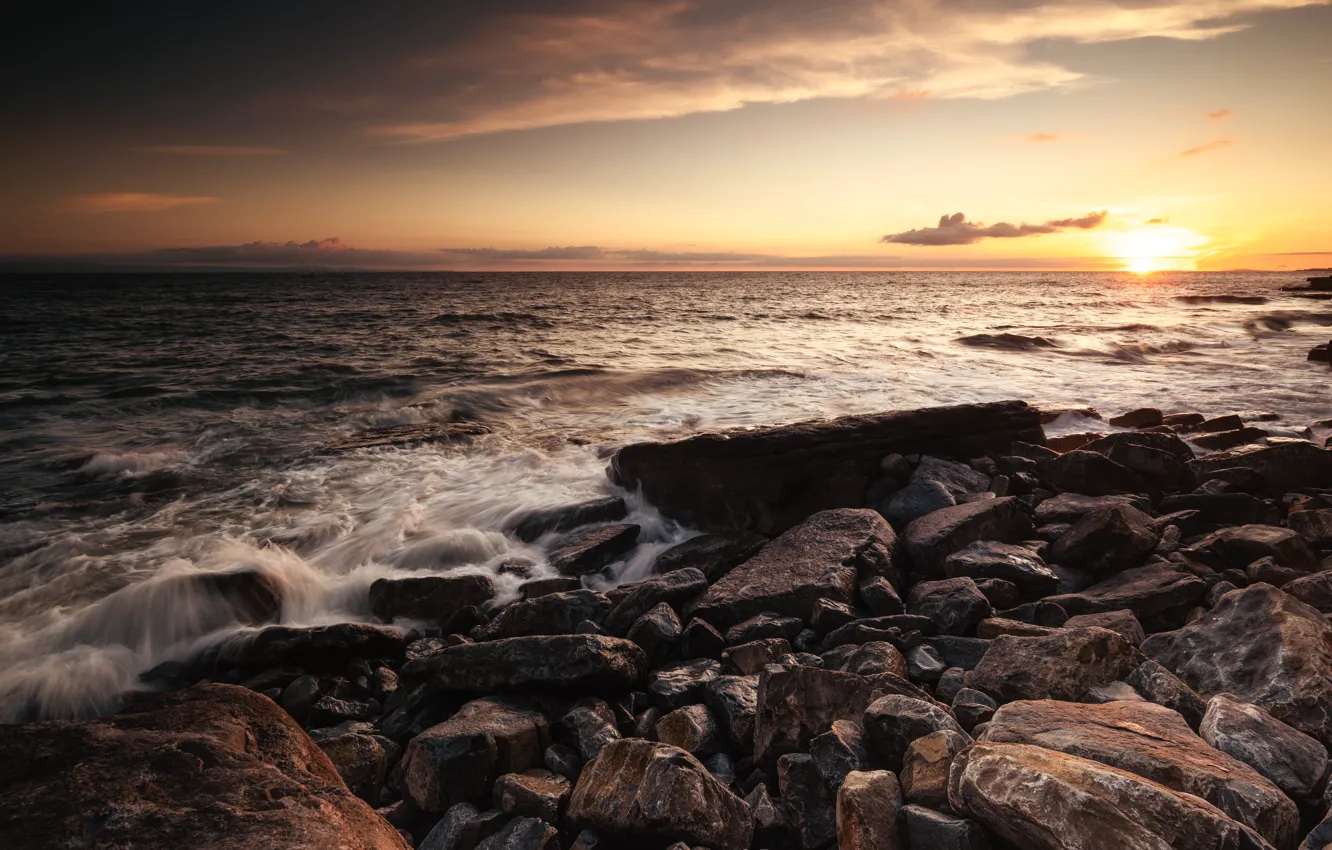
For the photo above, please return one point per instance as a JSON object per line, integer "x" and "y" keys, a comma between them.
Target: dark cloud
{"x": 956, "y": 230}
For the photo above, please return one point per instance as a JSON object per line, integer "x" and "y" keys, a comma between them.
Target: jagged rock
{"x": 924, "y": 663}
{"x": 1263, "y": 646}
{"x": 796, "y": 703}
{"x": 530, "y": 525}
{"x": 769, "y": 479}
{"x": 770, "y": 826}
{"x": 733, "y": 701}
{"x": 523, "y": 834}
{"x": 713, "y": 554}
{"x": 579, "y": 663}
{"x": 701, "y": 640}
{"x": 1268, "y": 570}
{"x": 1061, "y": 666}
{"x": 1118, "y": 620}
{"x": 428, "y": 597}
{"x": 1107, "y": 540}
{"x": 681, "y": 684}
{"x": 1071, "y": 507}
{"x": 992, "y": 627}
{"x": 972, "y": 708}
{"x": 657, "y": 632}
{"x": 925, "y": 767}
{"x": 895, "y": 627}
{"x": 551, "y": 614}
{"x": 964, "y": 652}
{"x": 361, "y": 762}
{"x": 810, "y": 809}
{"x": 1158, "y": 458}
{"x": 1001, "y": 593}
{"x": 536, "y": 587}
{"x": 457, "y": 761}
{"x": 590, "y": 725}
{"x": 950, "y": 683}
{"x": 639, "y": 790}
{"x": 1293, "y": 761}
{"x": 868, "y": 806}
{"x": 1155, "y": 743}
{"x": 1157, "y": 684}
{"x": 589, "y": 549}
{"x": 1314, "y": 590}
{"x": 1222, "y": 508}
{"x": 1314, "y": 526}
{"x": 562, "y": 760}
{"x": 829, "y": 615}
{"x": 880, "y": 597}
{"x": 673, "y": 589}
{"x": 1092, "y": 473}
{"x": 939, "y": 831}
{"x": 1236, "y": 548}
{"x": 330, "y": 711}
{"x": 1011, "y": 562}
{"x": 932, "y": 538}
{"x": 1042, "y": 799}
{"x": 1041, "y": 613}
{"x": 535, "y": 793}
{"x": 764, "y": 626}
{"x": 1158, "y": 589}
{"x": 893, "y": 722}
{"x": 935, "y": 484}
{"x": 1284, "y": 468}
{"x": 692, "y": 729}
{"x": 838, "y": 752}
{"x": 195, "y": 768}
{"x": 821, "y": 558}
{"x": 455, "y": 831}
{"x": 955, "y": 605}
{"x": 316, "y": 648}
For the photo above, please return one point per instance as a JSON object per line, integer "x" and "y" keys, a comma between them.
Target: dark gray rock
{"x": 1236, "y": 548}
{"x": 924, "y": 664}
{"x": 733, "y": 701}
{"x": 1107, "y": 540}
{"x": 1223, "y": 508}
{"x": 1157, "y": 684}
{"x": 532, "y": 588}
{"x": 674, "y": 589}
{"x": 587, "y": 550}
{"x": 932, "y": 538}
{"x": 562, "y": 760}
{"x": 879, "y": 596}
{"x": 435, "y": 598}
{"x": 1283, "y": 468}
{"x": 701, "y": 640}
{"x": 1156, "y": 590}
{"x": 1119, "y": 620}
{"x": 313, "y": 648}
{"x": 935, "y": 484}
{"x": 657, "y": 632}
{"x": 1070, "y": 507}
{"x": 955, "y": 605}
{"x": 964, "y": 652}
{"x": 454, "y": 831}
{"x": 1293, "y": 761}
{"x": 829, "y": 615}
{"x": 762, "y": 626}
{"x": 1016, "y": 563}
{"x": 582, "y": 663}
{"x": 530, "y": 525}
{"x": 749, "y": 658}
{"x": 590, "y": 725}
{"x": 713, "y": 554}
{"x": 682, "y": 684}
{"x": 972, "y": 708}
{"x": 838, "y": 752}
{"x": 893, "y": 722}
{"x": 939, "y": 831}
{"x": 523, "y": 833}
{"x": 810, "y": 809}
{"x": 550, "y": 614}
{"x": 1091, "y": 473}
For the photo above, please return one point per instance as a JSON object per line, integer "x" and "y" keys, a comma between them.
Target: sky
{"x": 614, "y": 134}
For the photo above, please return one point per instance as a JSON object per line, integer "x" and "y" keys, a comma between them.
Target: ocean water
{"x": 152, "y": 426}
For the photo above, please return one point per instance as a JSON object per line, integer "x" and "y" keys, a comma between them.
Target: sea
{"x": 159, "y": 425}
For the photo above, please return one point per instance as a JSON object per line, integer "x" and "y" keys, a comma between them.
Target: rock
{"x": 248, "y": 596}
{"x": 315, "y": 648}
{"x": 1160, "y": 459}
{"x": 523, "y": 834}
{"x": 457, "y": 761}
{"x": 657, "y": 632}
{"x": 1268, "y": 570}
{"x": 455, "y": 831}
{"x": 895, "y": 627}
{"x": 582, "y": 663}
{"x": 838, "y": 752}
{"x": 1062, "y": 666}
{"x": 673, "y": 589}
{"x": 893, "y": 722}
{"x": 993, "y": 627}
{"x": 562, "y": 760}
{"x": 1321, "y": 837}
{"x": 330, "y": 711}
{"x": 1229, "y": 439}
{"x": 821, "y": 558}
{"x": 713, "y": 554}
{"x": 956, "y": 605}
{"x": 434, "y": 598}
{"x": 1042, "y": 799}
{"x": 528, "y": 526}
{"x": 537, "y": 793}
{"x": 1155, "y": 743}
{"x": 691, "y": 729}
{"x": 590, "y": 725}
{"x": 964, "y": 652}
{"x": 681, "y": 684}
{"x": 987, "y": 559}
{"x": 972, "y": 708}
{"x": 764, "y": 626}
{"x": 589, "y": 549}
{"x": 794, "y": 704}
{"x": 1107, "y": 540}
{"x": 1236, "y": 548}
{"x": 829, "y": 615}
{"x": 733, "y": 701}
{"x": 1314, "y": 526}
{"x": 925, "y": 767}
{"x": 867, "y": 810}
{"x": 300, "y": 696}
{"x": 938, "y": 831}
{"x": 879, "y": 596}
{"x": 701, "y": 640}
{"x": 1314, "y": 590}
{"x": 935, "y": 484}
{"x": 749, "y": 658}
{"x": 1142, "y": 417}
{"x": 1263, "y": 646}
{"x": 533, "y": 588}
{"x": 1285, "y": 467}
{"x": 1293, "y": 761}
{"x": 549, "y": 614}
{"x": 932, "y": 538}
{"x": 950, "y": 684}
{"x": 810, "y": 809}
{"x": 643, "y": 791}
{"x": 769, "y": 479}
{"x": 1223, "y": 508}
{"x": 1154, "y": 591}
{"x": 1068, "y": 442}
{"x": 1120, "y": 620}
{"x": 1071, "y": 507}
{"x": 194, "y": 768}
{"x": 1157, "y": 684}
{"x": 1091, "y": 473}
{"x": 1001, "y": 594}
{"x": 924, "y": 663}
{"x": 874, "y": 657}
{"x": 770, "y": 826}
{"x": 1041, "y": 613}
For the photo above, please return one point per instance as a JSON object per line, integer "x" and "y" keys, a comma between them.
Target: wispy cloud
{"x": 1040, "y": 138}
{"x": 1220, "y": 113}
{"x": 956, "y": 230}
{"x": 1215, "y": 144}
{"x": 137, "y": 202}
{"x": 212, "y": 150}
{"x": 1156, "y": 221}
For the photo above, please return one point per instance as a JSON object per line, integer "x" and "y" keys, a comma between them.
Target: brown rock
{"x": 1062, "y": 666}
{"x": 556, "y": 662}
{"x": 1314, "y": 526}
{"x": 1120, "y": 620}
{"x": 1236, "y": 548}
{"x": 1107, "y": 540}
{"x": 691, "y": 729}
{"x": 868, "y": 807}
{"x": 1284, "y": 468}
{"x": 1314, "y": 590}
{"x": 1091, "y": 473}
{"x": 1142, "y": 417}
{"x": 1151, "y": 591}
{"x": 536, "y": 793}
{"x": 932, "y": 538}
{"x": 434, "y": 598}
{"x": 589, "y": 549}
{"x": 926, "y": 764}
{"x": 1294, "y": 762}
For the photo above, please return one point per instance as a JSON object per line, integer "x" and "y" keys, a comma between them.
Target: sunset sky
{"x": 519, "y": 134}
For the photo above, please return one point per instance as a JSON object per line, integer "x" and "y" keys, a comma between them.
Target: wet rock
{"x": 764, "y": 626}
{"x": 1314, "y": 526}
{"x": 1142, "y": 417}
{"x": 879, "y": 596}
{"x": 536, "y": 793}
{"x": 1155, "y": 743}
{"x": 892, "y": 628}
{"x": 893, "y": 722}
{"x": 314, "y": 648}
{"x": 867, "y": 811}
{"x": 1314, "y": 590}
{"x": 972, "y": 708}
{"x": 550, "y": 614}
{"x": 583, "y": 663}
{"x": 1071, "y": 507}
{"x": 1238, "y": 547}
{"x": 988, "y": 559}
{"x": 701, "y": 640}
{"x": 674, "y": 589}
{"x": 195, "y": 768}
{"x": 1062, "y": 666}
{"x": 821, "y": 558}
{"x": 964, "y": 652}
{"x": 749, "y": 658}
{"x": 1293, "y": 761}
{"x": 838, "y": 752}
{"x": 955, "y": 605}
{"x": 330, "y": 711}
{"x": 925, "y": 767}
{"x": 639, "y": 790}
{"x": 1284, "y": 468}
{"x": 932, "y": 538}
{"x": 523, "y": 834}
{"x": 692, "y": 729}
{"x": 713, "y": 554}
{"x": 939, "y": 831}
{"x": 993, "y": 627}
{"x": 531, "y": 525}
{"x": 1091, "y": 473}
{"x": 398, "y": 436}
{"x": 589, "y": 549}
{"x": 924, "y": 663}
{"x": 935, "y": 484}
{"x": 829, "y": 615}
{"x": 1042, "y": 799}
{"x": 810, "y": 809}
{"x": 769, "y": 479}
{"x": 300, "y": 696}
{"x": 434, "y": 598}
{"x": 1223, "y": 508}
{"x": 681, "y": 684}
{"x": 1107, "y": 540}
{"x": 1229, "y": 439}
{"x": 1157, "y": 684}
{"x": 1159, "y": 459}
{"x": 248, "y": 596}
{"x": 657, "y": 632}
{"x": 1157, "y": 590}
{"x": 733, "y": 701}
{"x": 1263, "y": 646}
{"x": 533, "y": 588}
{"x": 590, "y": 725}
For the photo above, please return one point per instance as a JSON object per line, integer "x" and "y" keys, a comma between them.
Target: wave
{"x": 1222, "y": 299}
{"x": 1137, "y": 352}
{"x": 1284, "y": 320}
{"x": 494, "y": 319}
{"x": 130, "y": 464}
{"x": 1009, "y": 342}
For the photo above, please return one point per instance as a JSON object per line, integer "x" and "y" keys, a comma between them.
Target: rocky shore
{"x": 927, "y": 630}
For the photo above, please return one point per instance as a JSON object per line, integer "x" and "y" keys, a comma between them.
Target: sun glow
{"x": 1159, "y": 249}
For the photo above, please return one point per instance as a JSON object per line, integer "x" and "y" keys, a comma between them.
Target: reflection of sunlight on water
{"x": 1159, "y": 249}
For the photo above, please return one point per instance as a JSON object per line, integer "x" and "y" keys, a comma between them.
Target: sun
{"x": 1159, "y": 249}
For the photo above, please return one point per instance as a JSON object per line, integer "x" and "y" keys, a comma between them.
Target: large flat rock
{"x": 769, "y": 479}
{"x": 215, "y": 766}
{"x": 578, "y": 663}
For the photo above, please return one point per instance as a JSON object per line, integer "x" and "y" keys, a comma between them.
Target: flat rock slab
{"x": 769, "y": 479}
{"x": 428, "y": 597}
{"x": 1147, "y": 591}
{"x": 312, "y": 647}
{"x": 821, "y": 558}
{"x": 932, "y": 538}
{"x": 589, "y": 549}
{"x": 1062, "y": 666}
{"x": 1284, "y": 468}
{"x": 204, "y": 767}
{"x": 1292, "y": 760}
{"x": 580, "y": 663}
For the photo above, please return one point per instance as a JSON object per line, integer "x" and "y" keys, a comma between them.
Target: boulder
{"x": 693, "y": 730}
{"x": 1090, "y": 473}
{"x": 1062, "y": 666}
{"x": 657, "y": 632}
{"x": 589, "y": 725}
{"x": 536, "y": 793}
{"x": 1116, "y": 620}
{"x": 988, "y": 559}
{"x": 809, "y": 806}
{"x": 1229, "y": 439}
{"x": 1157, "y": 684}
{"x": 763, "y": 627}
{"x": 1042, "y": 799}
{"x": 955, "y": 605}
{"x": 1222, "y": 508}
{"x": 1141, "y": 417}
{"x": 1160, "y": 459}
{"x": 1314, "y": 591}
{"x": 435, "y": 598}
{"x": 700, "y": 640}
{"x": 713, "y": 554}
{"x": 935, "y": 484}
{"x": 530, "y": 525}
{"x": 202, "y": 767}
{"x": 733, "y": 701}
{"x": 892, "y": 722}
{"x": 549, "y": 614}
{"x": 682, "y": 684}
{"x": 973, "y": 708}
{"x": 1071, "y": 507}
{"x": 1155, "y": 743}
{"x": 1236, "y": 548}
{"x": 1292, "y": 760}
{"x": 838, "y": 752}
{"x": 868, "y": 659}
{"x": 1107, "y": 540}
{"x": 749, "y": 658}
{"x": 926, "y": 764}
{"x": 587, "y": 550}
{"x": 579, "y": 663}
{"x": 938, "y": 831}
{"x": 932, "y": 538}
{"x": 821, "y": 558}
{"x": 868, "y": 807}
{"x": 769, "y": 479}
{"x": 639, "y": 790}
{"x": 1263, "y": 646}
{"x": 1154, "y": 590}
{"x": 1314, "y": 526}
{"x": 1284, "y": 468}
{"x": 673, "y": 588}
{"x": 319, "y": 648}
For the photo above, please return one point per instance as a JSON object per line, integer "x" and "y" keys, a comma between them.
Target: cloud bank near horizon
{"x": 956, "y": 230}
